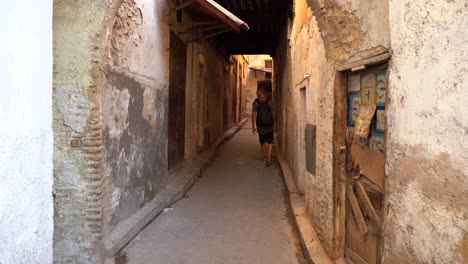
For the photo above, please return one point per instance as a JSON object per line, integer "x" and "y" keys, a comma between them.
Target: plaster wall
{"x": 134, "y": 109}
{"x": 26, "y": 205}
{"x": 80, "y": 33}
{"x": 427, "y": 147}
{"x": 321, "y": 34}
{"x": 258, "y": 61}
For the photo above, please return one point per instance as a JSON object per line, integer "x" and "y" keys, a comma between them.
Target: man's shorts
{"x": 266, "y": 138}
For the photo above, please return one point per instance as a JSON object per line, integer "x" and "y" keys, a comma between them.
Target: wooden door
{"x": 176, "y": 122}
{"x": 365, "y": 165}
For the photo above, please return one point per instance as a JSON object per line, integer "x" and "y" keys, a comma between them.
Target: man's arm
{"x": 254, "y": 117}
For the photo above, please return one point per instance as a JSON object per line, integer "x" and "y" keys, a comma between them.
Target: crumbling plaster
{"x": 79, "y": 33}
{"x": 134, "y": 109}
{"x": 427, "y": 148}
{"x": 26, "y": 140}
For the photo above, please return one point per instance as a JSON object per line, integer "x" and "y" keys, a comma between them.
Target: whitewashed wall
{"x": 26, "y": 210}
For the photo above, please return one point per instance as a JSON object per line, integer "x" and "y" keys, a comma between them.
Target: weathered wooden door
{"x": 365, "y": 164}
{"x": 176, "y": 122}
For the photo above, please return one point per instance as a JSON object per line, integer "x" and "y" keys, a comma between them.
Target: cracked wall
{"x": 134, "y": 109}
{"x": 427, "y": 141}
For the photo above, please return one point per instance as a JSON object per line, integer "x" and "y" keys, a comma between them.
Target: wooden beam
{"x": 211, "y": 35}
{"x": 182, "y": 6}
{"x": 362, "y": 194}
{"x": 223, "y": 14}
{"x": 369, "y": 61}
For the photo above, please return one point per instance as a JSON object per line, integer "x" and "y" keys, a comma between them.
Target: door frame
{"x": 339, "y": 158}
{"x": 339, "y": 163}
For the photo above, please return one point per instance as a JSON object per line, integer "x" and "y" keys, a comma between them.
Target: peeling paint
{"x": 115, "y": 102}
{"x": 149, "y": 107}
{"x": 74, "y": 106}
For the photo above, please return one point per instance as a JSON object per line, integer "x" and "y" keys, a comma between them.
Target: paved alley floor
{"x": 235, "y": 213}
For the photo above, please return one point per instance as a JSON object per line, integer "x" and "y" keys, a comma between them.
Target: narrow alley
{"x": 236, "y": 213}
{"x": 126, "y": 133}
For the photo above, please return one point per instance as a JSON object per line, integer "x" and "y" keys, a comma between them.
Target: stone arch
{"x": 347, "y": 26}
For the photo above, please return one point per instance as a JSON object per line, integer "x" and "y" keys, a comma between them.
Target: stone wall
{"x": 427, "y": 157}
{"x": 26, "y": 140}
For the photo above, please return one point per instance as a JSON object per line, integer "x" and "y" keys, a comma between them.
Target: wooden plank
{"x": 182, "y": 6}
{"x": 371, "y": 163}
{"x": 223, "y": 14}
{"x": 357, "y": 211}
{"x": 353, "y": 257}
{"x": 362, "y": 194}
{"x": 372, "y": 52}
{"x": 339, "y": 163}
{"x": 372, "y": 60}
{"x": 203, "y": 28}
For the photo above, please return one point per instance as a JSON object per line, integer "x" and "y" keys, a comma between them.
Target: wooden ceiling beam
{"x": 235, "y": 5}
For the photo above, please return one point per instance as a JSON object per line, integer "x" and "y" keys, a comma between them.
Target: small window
{"x": 268, "y": 64}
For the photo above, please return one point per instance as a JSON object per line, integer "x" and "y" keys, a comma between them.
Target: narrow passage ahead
{"x": 235, "y": 213}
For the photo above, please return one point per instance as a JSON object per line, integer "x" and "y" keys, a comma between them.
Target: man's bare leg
{"x": 265, "y": 150}
{"x": 269, "y": 149}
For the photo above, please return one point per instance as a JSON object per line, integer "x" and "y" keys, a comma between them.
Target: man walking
{"x": 263, "y": 119}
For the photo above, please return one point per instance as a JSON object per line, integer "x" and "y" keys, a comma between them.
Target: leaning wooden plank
{"x": 372, "y": 52}
{"x": 372, "y": 60}
{"x": 357, "y": 211}
{"x": 368, "y": 205}
{"x": 223, "y": 14}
